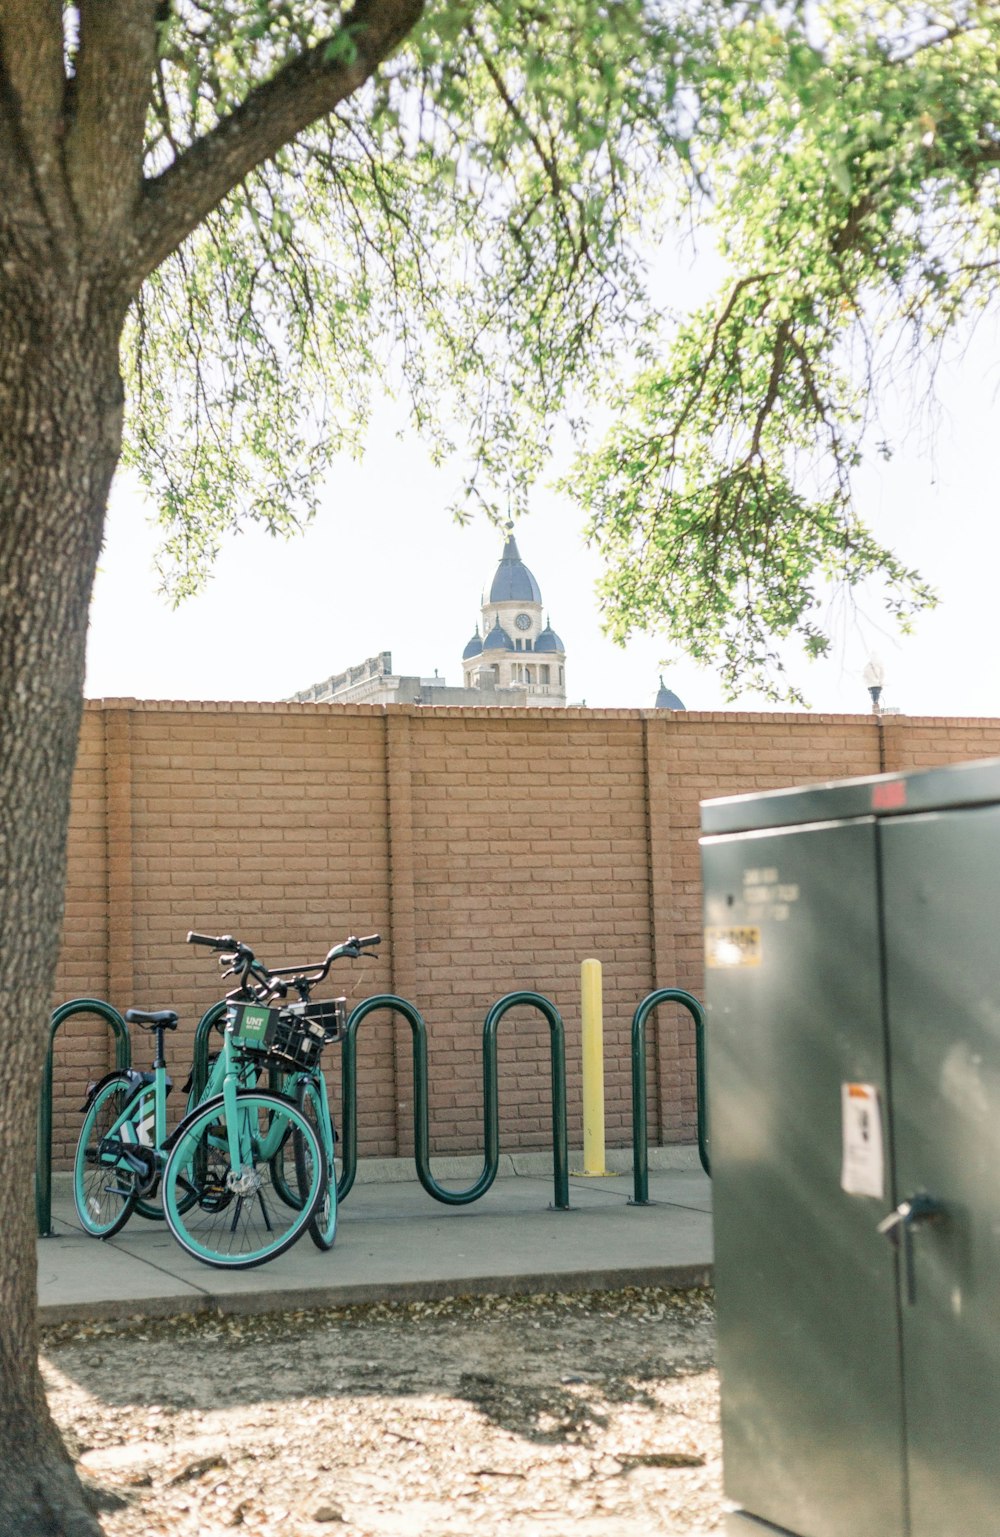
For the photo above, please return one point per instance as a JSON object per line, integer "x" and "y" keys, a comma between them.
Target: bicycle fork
{"x": 242, "y": 1180}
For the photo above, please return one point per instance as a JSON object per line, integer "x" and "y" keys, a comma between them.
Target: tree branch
{"x": 985, "y": 154}
{"x": 947, "y": 35}
{"x": 717, "y": 332}
{"x": 16, "y": 191}
{"x": 113, "y": 85}
{"x": 781, "y": 338}
{"x": 308, "y": 88}
{"x": 32, "y": 101}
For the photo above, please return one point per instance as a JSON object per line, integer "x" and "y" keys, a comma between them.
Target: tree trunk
{"x": 60, "y": 434}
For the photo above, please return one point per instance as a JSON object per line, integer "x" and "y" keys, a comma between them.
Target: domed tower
{"x": 519, "y": 649}
{"x": 666, "y": 699}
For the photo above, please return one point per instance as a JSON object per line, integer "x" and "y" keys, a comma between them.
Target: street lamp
{"x": 874, "y": 676}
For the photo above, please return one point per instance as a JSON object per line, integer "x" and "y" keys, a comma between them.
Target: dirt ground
{"x": 532, "y": 1417}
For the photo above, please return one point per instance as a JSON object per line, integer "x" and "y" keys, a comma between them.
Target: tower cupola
{"x": 513, "y": 582}
{"x": 548, "y": 640}
{"x": 497, "y": 639}
{"x": 666, "y": 699}
{"x": 518, "y": 650}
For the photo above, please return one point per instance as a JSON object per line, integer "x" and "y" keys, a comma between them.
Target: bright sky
{"x": 385, "y": 568}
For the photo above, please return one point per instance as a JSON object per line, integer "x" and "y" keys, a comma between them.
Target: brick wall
{"x": 493, "y": 849}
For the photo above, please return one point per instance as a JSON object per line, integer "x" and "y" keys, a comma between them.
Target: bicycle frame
{"x": 143, "y": 1120}
{"x": 242, "y": 1138}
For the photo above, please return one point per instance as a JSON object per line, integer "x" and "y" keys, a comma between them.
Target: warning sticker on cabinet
{"x": 736, "y": 946}
{"x": 863, "y": 1171}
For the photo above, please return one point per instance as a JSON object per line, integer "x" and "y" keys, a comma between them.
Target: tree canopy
{"x": 847, "y": 156}
{"x": 459, "y": 229}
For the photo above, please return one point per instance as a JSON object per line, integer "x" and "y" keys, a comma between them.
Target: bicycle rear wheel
{"x": 323, "y": 1225}
{"x": 103, "y": 1185}
{"x": 238, "y": 1218}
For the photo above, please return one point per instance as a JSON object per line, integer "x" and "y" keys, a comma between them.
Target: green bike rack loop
{"x": 43, "y": 1156}
{"x": 640, "y": 1156}
{"x": 491, "y": 1132}
{"x": 203, "y": 1031}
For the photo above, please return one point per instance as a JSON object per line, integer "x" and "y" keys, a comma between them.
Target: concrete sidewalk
{"x": 394, "y": 1243}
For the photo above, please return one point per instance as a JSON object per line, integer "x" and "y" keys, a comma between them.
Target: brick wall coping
{"x": 669, "y": 717}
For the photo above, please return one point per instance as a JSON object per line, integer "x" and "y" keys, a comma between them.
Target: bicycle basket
{"x": 290, "y": 1039}
{"x": 331, "y": 1013}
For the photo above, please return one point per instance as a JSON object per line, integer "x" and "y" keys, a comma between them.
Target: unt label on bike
{"x": 252, "y": 1028}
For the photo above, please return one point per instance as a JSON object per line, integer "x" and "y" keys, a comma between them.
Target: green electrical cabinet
{"x": 852, "y": 946}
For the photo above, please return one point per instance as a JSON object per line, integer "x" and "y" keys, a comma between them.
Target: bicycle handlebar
{"x": 224, "y": 942}
{"x": 354, "y": 946}
{"x": 270, "y": 980}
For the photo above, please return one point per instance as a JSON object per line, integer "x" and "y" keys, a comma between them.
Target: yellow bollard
{"x": 593, "y": 1068}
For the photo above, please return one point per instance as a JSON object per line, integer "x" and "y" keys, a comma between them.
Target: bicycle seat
{"x": 157, "y": 1019}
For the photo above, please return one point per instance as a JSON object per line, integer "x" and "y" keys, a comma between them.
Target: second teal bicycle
{"x": 250, "y": 1167}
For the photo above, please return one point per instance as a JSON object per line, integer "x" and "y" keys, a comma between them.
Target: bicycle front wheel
{"x": 309, "y": 1098}
{"x": 237, "y": 1218}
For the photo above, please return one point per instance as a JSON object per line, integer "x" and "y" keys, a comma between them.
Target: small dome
{"x": 498, "y": 639}
{"x": 666, "y": 699}
{"x": 474, "y": 648}
{"x": 548, "y": 640}
{"x": 513, "y": 582}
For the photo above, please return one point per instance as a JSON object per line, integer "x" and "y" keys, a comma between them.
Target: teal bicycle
{"x": 298, "y": 1076}
{"x": 250, "y": 1167}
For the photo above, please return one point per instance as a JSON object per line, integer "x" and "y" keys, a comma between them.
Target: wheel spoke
{"x": 239, "y": 1217}
{"x": 104, "y": 1192}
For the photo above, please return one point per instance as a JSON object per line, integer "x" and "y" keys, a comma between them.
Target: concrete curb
{"x": 252, "y": 1304}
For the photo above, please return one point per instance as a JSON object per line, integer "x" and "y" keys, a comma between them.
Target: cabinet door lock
{"x": 899, "y": 1226}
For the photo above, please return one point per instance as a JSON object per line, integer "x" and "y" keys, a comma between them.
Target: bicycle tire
{"x": 283, "y": 1171}
{"x": 323, "y": 1222}
{"x": 146, "y": 1206}
{"x": 233, "y": 1223}
{"x": 150, "y": 1205}
{"x": 103, "y": 1194}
